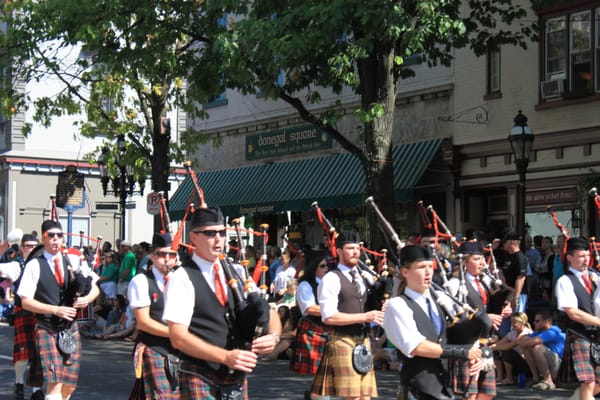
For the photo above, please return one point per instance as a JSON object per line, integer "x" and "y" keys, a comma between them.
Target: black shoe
{"x": 18, "y": 392}
{"x": 38, "y": 395}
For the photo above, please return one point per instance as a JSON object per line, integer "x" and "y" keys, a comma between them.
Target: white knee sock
{"x": 20, "y": 371}
{"x": 53, "y": 397}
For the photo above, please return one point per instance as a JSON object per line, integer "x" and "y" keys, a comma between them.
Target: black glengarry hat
{"x": 577, "y": 243}
{"x": 412, "y": 253}
{"x": 346, "y": 237}
{"x": 161, "y": 240}
{"x": 207, "y": 217}
{"x": 49, "y": 224}
{"x": 471, "y": 247}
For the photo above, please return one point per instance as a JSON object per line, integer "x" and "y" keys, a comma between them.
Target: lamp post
{"x": 521, "y": 142}
{"x": 122, "y": 184}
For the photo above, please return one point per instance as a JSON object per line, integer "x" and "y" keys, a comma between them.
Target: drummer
{"x": 414, "y": 323}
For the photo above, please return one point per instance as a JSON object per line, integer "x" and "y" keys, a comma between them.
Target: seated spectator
{"x": 289, "y": 322}
{"x": 110, "y": 276}
{"x": 285, "y": 272}
{"x": 289, "y": 298}
{"x": 508, "y": 355}
{"x": 543, "y": 350}
{"x": 385, "y": 355}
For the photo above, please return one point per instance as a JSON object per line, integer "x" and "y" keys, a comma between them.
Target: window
{"x": 493, "y": 71}
{"x": 581, "y": 52}
{"x": 571, "y": 48}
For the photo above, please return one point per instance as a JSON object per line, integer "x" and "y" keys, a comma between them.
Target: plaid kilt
{"x": 463, "y": 383}
{"x": 576, "y": 365}
{"x": 24, "y": 338}
{"x": 196, "y": 384}
{"x": 309, "y": 347}
{"x": 51, "y": 359}
{"x": 336, "y": 375}
{"x": 156, "y": 384}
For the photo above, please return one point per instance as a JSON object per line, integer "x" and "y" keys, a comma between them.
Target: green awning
{"x": 335, "y": 181}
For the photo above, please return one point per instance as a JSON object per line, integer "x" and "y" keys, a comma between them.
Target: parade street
{"x": 107, "y": 373}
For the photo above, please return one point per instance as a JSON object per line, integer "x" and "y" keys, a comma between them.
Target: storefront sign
{"x": 257, "y": 209}
{"x": 286, "y": 141}
{"x": 552, "y": 197}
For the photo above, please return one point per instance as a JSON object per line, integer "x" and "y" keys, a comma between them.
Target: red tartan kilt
{"x": 309, "y": 347}
{"x": 576, "y": 365}
{"x": 24, "y": 346}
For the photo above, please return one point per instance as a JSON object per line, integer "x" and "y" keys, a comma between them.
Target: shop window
{"x": 571, "y": 54}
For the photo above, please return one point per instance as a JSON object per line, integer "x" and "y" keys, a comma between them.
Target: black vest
{"x": 351, "y": 303}
{"x": 157, "y": 305}
{"x": 212, "y": 322}
{"x": 427, "y": 375}
{"x": 47, "y": 290}
{"x": 473, "y": 296}
{"x": 585, "y": 302}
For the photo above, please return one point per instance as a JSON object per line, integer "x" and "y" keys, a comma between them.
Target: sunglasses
{"x": 29, "y": 246}
{"x": 322, "y": 265}
{"x": 165, "y": 254}
{"x": 55, "y": 234}
{"x": 212, "y": 233}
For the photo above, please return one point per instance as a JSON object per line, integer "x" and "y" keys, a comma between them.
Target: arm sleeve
{"x": 304, "y": 296}
{"x": 328, "y": 293}
{"x": 180, "y": 298}
{"x": 137, "y": 292}
{"x": 401, "y": 328}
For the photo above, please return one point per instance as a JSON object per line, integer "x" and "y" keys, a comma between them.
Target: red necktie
{"x": 219, "y": 289}
{"x": 166, "y": 280}
{"x": 58, "y": 272}
{"x": 588, "y": 284}
{"x": 482, "y": 292}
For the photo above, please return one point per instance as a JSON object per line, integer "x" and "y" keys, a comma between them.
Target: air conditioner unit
{"x": 552, "y": 88}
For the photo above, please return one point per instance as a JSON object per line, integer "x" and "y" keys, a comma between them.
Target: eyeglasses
{"x": 212, "y": 233}
{"x": 165, "y": 254}
{"x": 55, "y": 234}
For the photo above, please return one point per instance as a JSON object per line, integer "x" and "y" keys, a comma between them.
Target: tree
{"x": 133, "y": 58}
{"x": 356, "y": 44}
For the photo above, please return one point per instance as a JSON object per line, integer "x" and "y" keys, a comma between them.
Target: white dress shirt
{"x": 329, "y": 290}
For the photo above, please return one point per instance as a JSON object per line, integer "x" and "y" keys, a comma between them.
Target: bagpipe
{"x": 379, "y": 283}
{"x": 500, "y": 293}
{"x": 251, "y": 309}
{"x": 466, "y": 325}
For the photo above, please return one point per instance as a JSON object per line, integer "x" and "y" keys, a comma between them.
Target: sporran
{"x": 362, "y": 360}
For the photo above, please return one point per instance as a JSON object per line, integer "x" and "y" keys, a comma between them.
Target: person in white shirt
{"x": 203, "y": 323}
{"x": 146, "y": 299}
{"x": 574, "y": 294}
{"x": 42, "y": 290}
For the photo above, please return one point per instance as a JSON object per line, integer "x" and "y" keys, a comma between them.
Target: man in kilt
{"x": 24, "y": 351}
{"x": 311, "y": 333}
{"x": 414, "y": 323}
{"x": 342, "y": 297}
{"x": 574, "y": 294}
{"x": 43, "y": 287}
{"x": 147, "y": 302}
{"x": 203, "y": 320}
{"x": 482, "y": 385}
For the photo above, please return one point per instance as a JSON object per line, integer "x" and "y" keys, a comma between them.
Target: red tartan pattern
{"x": 462, "y": 382}
{"x": 336, "y": 375}
{"x": 584, "y": 370}
{"x": 52, "y": 361}
{"x": 576, "y": 363}
{"x": 156, "y": 384}
{"x": 309, "y": 347}
{"x": 24, "y": 337}
{"x": 193, "y": 387}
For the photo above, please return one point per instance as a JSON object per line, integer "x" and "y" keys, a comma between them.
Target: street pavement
{"x": 107, "y": 373}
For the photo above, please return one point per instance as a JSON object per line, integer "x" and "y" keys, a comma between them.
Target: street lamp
{"x": 521, "y": 142}
{"x": 122, "y": 184}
